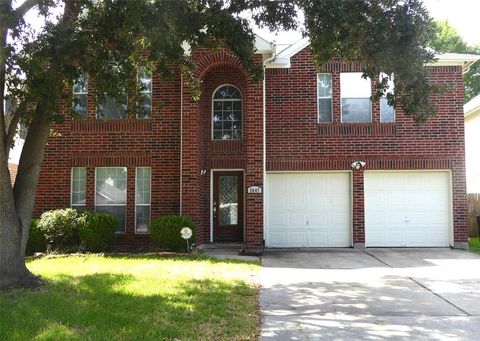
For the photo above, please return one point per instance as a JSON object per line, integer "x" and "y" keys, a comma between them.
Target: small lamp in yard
{"x": 186, "y": 234}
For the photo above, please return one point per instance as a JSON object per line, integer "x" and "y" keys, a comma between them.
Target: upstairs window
{"x": 356, "y": 92}
{"x": 80, "y": 95}
{"x": 324, "y": 93}
{"x": 109, "y": 108}
{"x": 227, "y": 113}
{"x": 387, "y": 112}
{"x": 144, "y": 92}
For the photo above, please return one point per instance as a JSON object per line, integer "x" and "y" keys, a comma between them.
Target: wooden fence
{"x": 473, "y": 212}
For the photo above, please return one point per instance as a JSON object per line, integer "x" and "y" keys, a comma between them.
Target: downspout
{"x": 181, "y": 140}
{"x": 264, "y": 133}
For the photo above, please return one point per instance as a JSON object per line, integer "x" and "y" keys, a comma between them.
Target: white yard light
{"x": 358, "y": 164}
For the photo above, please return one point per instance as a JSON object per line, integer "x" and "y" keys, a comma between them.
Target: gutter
{"x": 264, "y": 132}
{"x": 181, "y": 141}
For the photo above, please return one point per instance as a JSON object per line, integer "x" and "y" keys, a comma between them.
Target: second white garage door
{"x": 308, "y": 210}
{"x": 407, "y": 209}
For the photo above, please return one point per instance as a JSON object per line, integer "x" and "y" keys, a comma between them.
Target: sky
{"x": 464, "y": 15}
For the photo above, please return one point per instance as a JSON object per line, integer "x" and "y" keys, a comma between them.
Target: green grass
{"x": 134, "y": 298}
{"x": 474, "y": 245}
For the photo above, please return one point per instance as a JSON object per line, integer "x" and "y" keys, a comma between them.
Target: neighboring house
{"x": 12, "y": 168}
{"x": 14, "y": 158}
{"x": 472, "y": 144}
{"x": 268, "y": 166}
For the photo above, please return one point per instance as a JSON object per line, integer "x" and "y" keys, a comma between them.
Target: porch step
{"x": 222, "y": 246}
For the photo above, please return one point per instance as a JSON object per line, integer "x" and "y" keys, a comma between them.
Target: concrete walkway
{"x": 372, "y": 294}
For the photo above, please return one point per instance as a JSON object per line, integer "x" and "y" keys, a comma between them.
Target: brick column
{"x": 253, "y": 134}
{"x": 191, "y": 163}
{"x": 460, "y": 204}
{"x": 358, "y": 208}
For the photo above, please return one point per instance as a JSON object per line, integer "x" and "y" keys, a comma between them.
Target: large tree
{"x": 447, "y": 39}
{"x": 109, "y": 39}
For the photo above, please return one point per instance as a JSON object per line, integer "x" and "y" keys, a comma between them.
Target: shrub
{"x": 60, "y": 228}
{"x": 97, "y": 230}
{"x": 36, "y": 239}
{"x": 165, "y": 232}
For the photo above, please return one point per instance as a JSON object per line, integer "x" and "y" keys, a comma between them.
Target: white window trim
{"x": 146, "y": 92}
{"x": 150, "y": 198}
{"x": 71, "y": 188}
{"x": 385, "y": 97}
{"x": 221, "y": 100}
{"x": 114, "y": 205}
{"x": 324, "y": 97}
{"x": 341, "y": 104}
{"x": 81, "y": 93}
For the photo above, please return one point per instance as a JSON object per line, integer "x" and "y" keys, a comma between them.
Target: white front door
{"x": 308, "y": 210}
{"x": 407, "y": 208}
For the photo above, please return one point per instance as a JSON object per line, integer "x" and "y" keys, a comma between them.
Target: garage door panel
{"x": 277, "y": 238}
{"x": 278, "y": 203}
{"x": 297, "y": 219}
{"x": 339, "y": 219}
{"x": 317, "y": 210}
{"x": 278, "y": 220}
{"x": 415, "y": 210}
{"x": 377, "y": 219}
{"x": 298, "y": 239}
{"x": 319, "y": 220}
{"x": 317, "y": 202}
{"x": 318, "y": 239}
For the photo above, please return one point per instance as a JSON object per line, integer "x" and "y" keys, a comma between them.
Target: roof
{"x": 472, "y": 107}
{"x": 283, "y": 57}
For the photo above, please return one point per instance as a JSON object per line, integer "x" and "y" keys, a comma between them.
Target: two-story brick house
{"x": 271, "y": 163}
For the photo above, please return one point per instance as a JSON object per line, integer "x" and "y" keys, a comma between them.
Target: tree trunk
{"x": 17, "y": 207}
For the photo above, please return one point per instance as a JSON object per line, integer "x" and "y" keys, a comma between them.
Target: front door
{"x": 228, "y": 206}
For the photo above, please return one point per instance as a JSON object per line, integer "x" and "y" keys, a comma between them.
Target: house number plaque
{"x": 254, "y": 190}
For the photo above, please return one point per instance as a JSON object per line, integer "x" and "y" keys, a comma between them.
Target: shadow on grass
{"x": 152, "y": 256}
{"x": 113, "y": 306}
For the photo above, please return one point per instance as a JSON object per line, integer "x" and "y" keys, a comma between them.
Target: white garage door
{"x": 308, "y": 210}
{"x": 407, "y": 209}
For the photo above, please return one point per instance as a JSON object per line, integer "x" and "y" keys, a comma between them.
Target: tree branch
{"x": 12, "y": 129}
{"x": 21, "y": 10}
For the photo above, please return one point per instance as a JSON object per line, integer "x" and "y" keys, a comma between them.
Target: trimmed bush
{"x": 165, "y": 232}
{"x": 60, "y": 228}
{"x": 97, "y": 230}
{"x": 36, "y": 239}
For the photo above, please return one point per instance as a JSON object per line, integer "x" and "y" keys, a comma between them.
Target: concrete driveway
{"x": 370, "y": 294}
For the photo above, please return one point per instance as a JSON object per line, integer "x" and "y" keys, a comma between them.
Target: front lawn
{"x": 134, "y": 298}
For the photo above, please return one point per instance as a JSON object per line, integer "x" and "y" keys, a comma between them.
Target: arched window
{"x": 227, "y": 113}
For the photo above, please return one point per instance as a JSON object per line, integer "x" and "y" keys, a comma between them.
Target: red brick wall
{"x": 127, "y": 143}
{"x": 200, "y": 152}
{"x": 295, "y": 141}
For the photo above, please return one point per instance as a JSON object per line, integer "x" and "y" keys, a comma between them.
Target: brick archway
{"x": 218, "y": 58}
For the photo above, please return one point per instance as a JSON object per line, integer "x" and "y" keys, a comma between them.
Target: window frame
{"x": 75, "y": 93}
{"x": 149, "y": 199}
{"x": 116, "y": 205}
{"x": 150, "y": 92}
{"x": 222, "y": 100}
{"x": 341, "y": 99}
{"x": 71, "y": 188}
{"x": 392, "y": 81}
{"x": 323, "y": 97}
